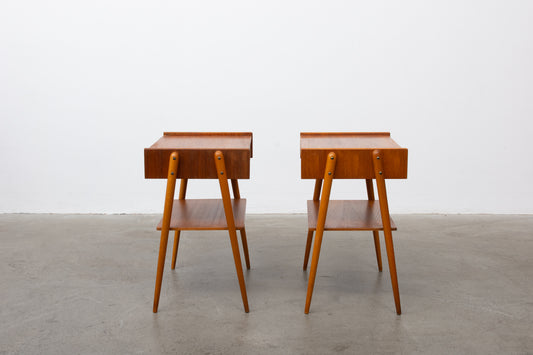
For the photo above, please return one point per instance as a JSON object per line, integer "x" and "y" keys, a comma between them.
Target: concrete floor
{"x": 83, "y": 284}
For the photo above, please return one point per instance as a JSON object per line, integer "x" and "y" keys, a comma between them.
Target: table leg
{"x": 226, "y": 199}
{"x": 175, "y": 248}
{"x": 316, "y": 197}
{"x": 308, "y": 247}
{"x": 183, "y": 191}
{"x": 165, "y": 227}
{"x": 370, "y": 193}
{"x": 237, "y": 195}
{"x": 245, "y": 248}
{"x": 235, "y": 188}
{"x": 321, "y": 221}
{"x": 316, "y": 192}
{"x": 387, "y": 231}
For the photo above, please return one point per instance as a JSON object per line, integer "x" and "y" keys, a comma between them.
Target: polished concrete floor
{"x": 83, "y": 284}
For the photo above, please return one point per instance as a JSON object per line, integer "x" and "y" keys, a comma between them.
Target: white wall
{"x": 85, "y": 86}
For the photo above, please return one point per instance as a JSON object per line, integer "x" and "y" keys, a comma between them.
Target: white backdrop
{"x": 85, "y": 86}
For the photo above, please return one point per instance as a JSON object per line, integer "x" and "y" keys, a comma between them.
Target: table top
{"x": 196, "y": 154}
{"x": 348, "y": 140}
{"x": 205, "y": 141}
{"x": 354, "y": 155}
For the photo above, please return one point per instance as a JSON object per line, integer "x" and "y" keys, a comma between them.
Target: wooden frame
{"x": 369, "y": 156}
{"x": 204, "y": 214}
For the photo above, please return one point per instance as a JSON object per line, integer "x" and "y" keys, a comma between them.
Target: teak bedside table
{"x": 222, "y": 156}
{"x": 328, "y": 156}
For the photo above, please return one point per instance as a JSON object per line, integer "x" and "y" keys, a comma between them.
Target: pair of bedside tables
{"x": 324, "y": 157}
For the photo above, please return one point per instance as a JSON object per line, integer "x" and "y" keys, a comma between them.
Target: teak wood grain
{"x": 347, "y": 215}
{"x": 351, "y": 156}
{"x": 387, "y": 230}
{"x": 196, "y": 151}
{"x": 329, "y": 173}
{"x": 169, "y": 196}
{"x": 230, "y": 219}
{"x": 204, "y": 214}
{"x": 354, "y": 155}
{"x": 221, "y": 156}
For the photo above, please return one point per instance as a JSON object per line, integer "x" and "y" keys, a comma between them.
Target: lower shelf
{"x": 344, "y": 215}
{"x": 204, "y": 214}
